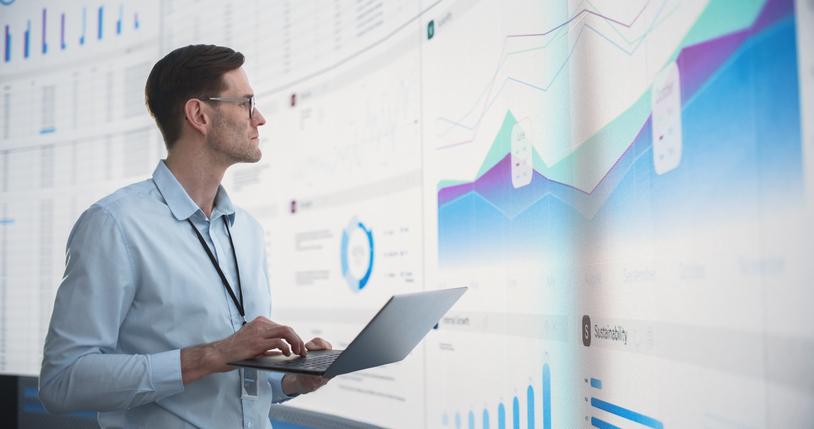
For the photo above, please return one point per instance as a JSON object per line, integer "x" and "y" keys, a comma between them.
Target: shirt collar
{"x": 181, "y": 204}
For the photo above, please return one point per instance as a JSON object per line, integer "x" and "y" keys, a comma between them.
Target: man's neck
{"x": 199, "y": 176}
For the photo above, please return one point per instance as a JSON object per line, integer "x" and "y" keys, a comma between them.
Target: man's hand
{"x": 253, "y": 339}
{"x": 299, "y": 384}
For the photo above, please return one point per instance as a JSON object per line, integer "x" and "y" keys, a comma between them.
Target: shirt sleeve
{"x": 81, "y": 369}
{"x": 276, "y": 382}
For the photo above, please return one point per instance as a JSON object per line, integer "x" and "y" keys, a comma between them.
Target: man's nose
{"x": 258, "y": 119}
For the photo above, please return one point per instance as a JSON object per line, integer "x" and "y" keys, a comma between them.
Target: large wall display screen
{"x": 626, "y": 187}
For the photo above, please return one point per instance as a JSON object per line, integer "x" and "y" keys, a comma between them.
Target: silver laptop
{"x": 389, "y": 337}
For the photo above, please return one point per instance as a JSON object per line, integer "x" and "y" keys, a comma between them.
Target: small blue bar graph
{"x": 7, "y": 54}
{"x": 84, "y": 25}
{"x": 44, "y": 34}
{"x": 27, "y": 40}
{"x": 119, "y": 21}
{"x": 101, "y": 19}
{"x": 515, "y": 413}
{"x": 530, "y": 407}
{"x": 546, "y": 397}
{"x": 626, "y": 413}
{"x": 38, "y": 23}
{"x": 62, "y": 44}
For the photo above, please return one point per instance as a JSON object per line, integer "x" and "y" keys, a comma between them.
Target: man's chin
{"x": 249, "y": 158}
{"x": 255, "y": 157}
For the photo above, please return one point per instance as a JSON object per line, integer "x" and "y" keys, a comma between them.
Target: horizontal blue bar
{"x": 601, "y": 424}
{"x": 596, "y": 383}
{"x": 626, "y": 413}
{"x": 48, "y": 130}
{"x": 6, "y": 221}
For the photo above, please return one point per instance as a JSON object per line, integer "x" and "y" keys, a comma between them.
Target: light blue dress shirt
{"x": 138, "y": 287}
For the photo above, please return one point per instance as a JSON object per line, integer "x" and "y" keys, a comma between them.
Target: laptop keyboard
{"x": 317, "y": 361}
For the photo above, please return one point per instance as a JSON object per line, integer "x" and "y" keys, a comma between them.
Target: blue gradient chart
{"x": 722, "y": 161}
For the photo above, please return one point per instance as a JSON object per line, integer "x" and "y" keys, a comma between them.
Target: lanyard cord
{"x": 238, "y": 304}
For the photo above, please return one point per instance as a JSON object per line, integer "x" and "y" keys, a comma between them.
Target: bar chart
{"x": 603, "y": 408}
{"x": 535, "y": 405}
{"x": 71, "y": 19}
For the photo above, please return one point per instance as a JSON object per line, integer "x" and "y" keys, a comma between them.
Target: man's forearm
{"x": 198, "y": 362}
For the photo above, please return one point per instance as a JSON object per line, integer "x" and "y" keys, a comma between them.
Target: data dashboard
{"x": 626, "y": 188}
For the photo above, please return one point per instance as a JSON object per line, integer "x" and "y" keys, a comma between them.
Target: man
{"x": 162, "y": 276}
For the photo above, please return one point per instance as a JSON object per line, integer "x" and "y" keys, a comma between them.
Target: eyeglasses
{"x": 243, "y": 101}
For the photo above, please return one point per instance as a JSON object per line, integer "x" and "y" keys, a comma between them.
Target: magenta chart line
{"x": 636, "y": 44}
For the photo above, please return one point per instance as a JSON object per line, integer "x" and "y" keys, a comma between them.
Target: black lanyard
{"x": 238, "y": 304}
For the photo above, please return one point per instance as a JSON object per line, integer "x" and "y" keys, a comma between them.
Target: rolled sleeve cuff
{"x": 276, "y": 382}
{"x": 165, "y": 373}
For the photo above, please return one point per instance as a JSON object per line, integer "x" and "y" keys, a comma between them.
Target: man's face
{"x": 233, "y": 134}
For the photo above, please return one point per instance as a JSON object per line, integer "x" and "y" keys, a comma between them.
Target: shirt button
{"x": 250, "y": 424}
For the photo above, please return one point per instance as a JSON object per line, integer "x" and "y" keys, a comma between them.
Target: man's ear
{"x": 196, "y": 114}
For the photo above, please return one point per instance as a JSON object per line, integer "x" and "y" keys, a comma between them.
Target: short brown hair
{"x": 188, "y": 72}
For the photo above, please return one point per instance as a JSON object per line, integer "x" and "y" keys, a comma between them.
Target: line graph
{"x": 472, "y": 119}
{"x": 476, "y": 217}
{"x": 460, "y": 130}
{"x": 581, "y": 12}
